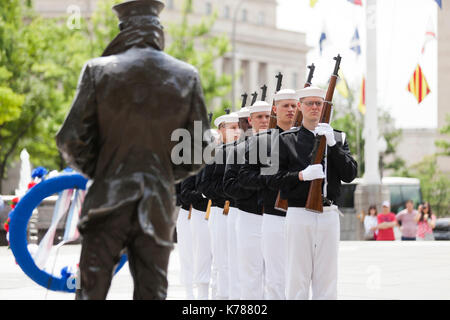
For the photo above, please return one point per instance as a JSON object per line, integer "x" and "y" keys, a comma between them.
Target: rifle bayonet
{"x": 311, "y": 68}
{"x": 279, "y": 77}
{"x": 244, "y": 99}
{"x": 264, "y": 92}
{"x": 254, "y": 95}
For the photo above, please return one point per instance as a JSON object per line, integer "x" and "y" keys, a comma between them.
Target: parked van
{"x": 401, "y": 189}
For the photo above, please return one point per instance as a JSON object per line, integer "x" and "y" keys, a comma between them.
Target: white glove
{"x": 313, "y": 172}
{"x": 324, "y": 129}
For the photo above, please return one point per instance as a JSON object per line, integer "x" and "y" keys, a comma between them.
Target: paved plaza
{"x": 367, "y": 270}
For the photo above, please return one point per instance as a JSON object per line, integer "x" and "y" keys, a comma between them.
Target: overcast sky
{"x": 401, "y": 27}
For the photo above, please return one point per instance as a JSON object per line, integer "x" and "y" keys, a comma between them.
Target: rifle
{"x": 263, "y": 93}
{"x": 244, "y": 99}
{"x": 282, "y": 204}
{"x": 210, "y": 115}
{"x": 190, "y": 212}
{"x": 254, "y": 95}
{"x": 208, "y": 209}
{"x": 315, "y": 197}
{"x": 298, "y": 118}
{"x": 243, "y": 122}
{"x": 226, "y": 207}
{"x": 273, "y": 116}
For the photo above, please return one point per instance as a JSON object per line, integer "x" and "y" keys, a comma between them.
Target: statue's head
{"x": 139, "y": 12}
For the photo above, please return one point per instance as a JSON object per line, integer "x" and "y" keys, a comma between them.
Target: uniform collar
{"x": 302, "y": 128}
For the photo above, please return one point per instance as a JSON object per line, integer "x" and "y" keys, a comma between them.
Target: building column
{"x": 237, "y": 82}
{"x": 218, "y": 67}
{"x": 254, "y": 82}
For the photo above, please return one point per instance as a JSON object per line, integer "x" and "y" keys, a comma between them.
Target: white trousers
{"x": 233, "y": 270}
{"x": 222, "y": 256}
{"x": 312, "y": 253}
{"x": 212, "y": 224}
{"x": 185, "y": 251}
{"x": 250, "y": 258}
{"x": 201, "y": 248}
{"x": 274, "y": 254}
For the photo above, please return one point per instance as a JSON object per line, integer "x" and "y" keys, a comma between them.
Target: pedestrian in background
{"x": 386, "y": 223}
{"x": 426, "y": 221}
{"x": 370, "y": 224}
{"x": 407, "y": 219}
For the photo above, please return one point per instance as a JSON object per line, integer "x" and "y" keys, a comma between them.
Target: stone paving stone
{"x": 367, "y": 270}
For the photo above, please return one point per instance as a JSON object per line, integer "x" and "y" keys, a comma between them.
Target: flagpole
{"x": 370, "y": 191}
{"x": 371, "y": 153}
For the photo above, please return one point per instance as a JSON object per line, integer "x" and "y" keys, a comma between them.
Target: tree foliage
{"x": 435, "y": 185}
{"x": 195, "y": 44}
{"x": 40, "y": 62}
{"x": 348, "y": 120}
{"x": 443, "y": 144}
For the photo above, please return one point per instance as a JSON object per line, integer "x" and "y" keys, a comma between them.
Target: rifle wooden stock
{"x": 226, "y": 207}
{"x": 282, "y": 204}
{"x": 273, "y": 120}
{"x": 190, "y": 212}
{"x": 208, "y": 209}
{"x": 315, "y": 198}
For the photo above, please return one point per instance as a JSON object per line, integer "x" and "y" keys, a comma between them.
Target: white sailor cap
{"x": 286, "y": 94}
{"x": 244, "y": 112}
{"x": 311, "y": 92}
{"x": 260, "y": 106}
{"x": 226, "y": 118}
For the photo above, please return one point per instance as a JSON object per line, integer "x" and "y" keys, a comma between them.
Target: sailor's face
{"x": 260, "y": 120}
{"x": 285, "y": 110}
{"x": 311, "y": 108}
{"x": 230, "y": 132}
{"x": 244, "y": 124}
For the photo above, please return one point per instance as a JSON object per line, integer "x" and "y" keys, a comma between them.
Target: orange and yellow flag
{"x": 418, "y": 85}
{"x": 362, "y": 97}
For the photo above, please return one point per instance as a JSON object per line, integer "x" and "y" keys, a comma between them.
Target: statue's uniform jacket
{"x": 118, "y": 133}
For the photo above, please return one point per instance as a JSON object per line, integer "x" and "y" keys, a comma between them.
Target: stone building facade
{"x": 262, "y": 50}
{"x": 443, "y": 36}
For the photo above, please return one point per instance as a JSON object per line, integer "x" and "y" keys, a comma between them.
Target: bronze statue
{"x": 118, "y": 133}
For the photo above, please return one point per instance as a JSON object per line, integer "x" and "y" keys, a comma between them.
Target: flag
{"x": 71, "y": 232}
{"x": 312, "y": 3}
{"x": 362, "y": 97}
{"x": 429, "y": 34}
{"x": 46, "y": 244}
{"x": 323, "y": 37}
{"x": 439, "y": 3}
{"x": 355, "y": 44}
{"x": 357, "y": 2}
{"x": 418, "y": 85}
{"x": 342, "y": 86}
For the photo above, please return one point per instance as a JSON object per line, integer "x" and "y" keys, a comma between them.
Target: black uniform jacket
{"x": 245, "y": 199}
{"x": 212, "y": 179}
{"x": 252, "y": 176}
{"x": 183, "y": 203}
{"x": 294, "y": 154}
{"x": 191, "y": 194}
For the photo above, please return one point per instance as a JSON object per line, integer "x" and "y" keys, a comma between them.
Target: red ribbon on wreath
{"x": 6, "y": 224}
